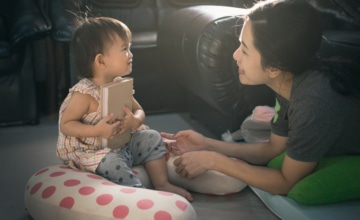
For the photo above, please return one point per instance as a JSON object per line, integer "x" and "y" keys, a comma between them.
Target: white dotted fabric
{"x": 58, "y": 192}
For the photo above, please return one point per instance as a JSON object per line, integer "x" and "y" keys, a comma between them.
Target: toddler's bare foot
{"x": 177, "y": 190}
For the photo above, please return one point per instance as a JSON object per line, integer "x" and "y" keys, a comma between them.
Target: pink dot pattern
{"x": 104, "y": 199}
{"x": 72, "y": 182}
{"x": 145, "y": 204}
{"x": 67, "y": 202}
{"x": 86, "y": 190}
{"x": 121, "y": 211}
{"x": 86, "y": 194}
{"x": 49, "y": 191}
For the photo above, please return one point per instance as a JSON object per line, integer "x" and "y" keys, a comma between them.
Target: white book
{"x": 113, "y": 96}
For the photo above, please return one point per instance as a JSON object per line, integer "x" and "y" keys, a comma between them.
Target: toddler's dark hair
{"x": 91, "y": 37}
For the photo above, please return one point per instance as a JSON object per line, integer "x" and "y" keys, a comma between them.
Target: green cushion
{"x": 335, "y": 179}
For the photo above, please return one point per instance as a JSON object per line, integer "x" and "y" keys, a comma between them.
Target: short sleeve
{"x": 313, "y": 129}
{"x": 85, "y": 86}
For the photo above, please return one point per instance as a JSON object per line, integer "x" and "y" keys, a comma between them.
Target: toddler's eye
{"x": 127, "y": 48}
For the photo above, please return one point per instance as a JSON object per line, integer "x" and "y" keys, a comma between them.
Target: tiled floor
{"x": 26, "y": 149}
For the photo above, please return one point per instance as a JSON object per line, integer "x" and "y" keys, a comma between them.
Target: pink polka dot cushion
{"x": 58, "y": 192}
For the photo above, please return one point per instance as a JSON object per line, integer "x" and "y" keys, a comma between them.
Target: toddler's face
{"x": 118, "y": 58}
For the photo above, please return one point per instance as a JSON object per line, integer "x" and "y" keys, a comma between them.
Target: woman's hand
{"x": 184, "y": 141}
{"x": 193, "y": 164}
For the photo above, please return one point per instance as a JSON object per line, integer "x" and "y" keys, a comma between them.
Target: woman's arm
{"x": 199, "y": 154}
{"x": 256, "y": 153}
{"x": 268, "y": 179}
{"x": 192, "y": 164}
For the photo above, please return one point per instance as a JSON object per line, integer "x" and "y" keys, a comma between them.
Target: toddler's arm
{"x": 78, "y": 106}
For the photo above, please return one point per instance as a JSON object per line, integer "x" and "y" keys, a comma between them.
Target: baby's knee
{"x": 149, "y": 134}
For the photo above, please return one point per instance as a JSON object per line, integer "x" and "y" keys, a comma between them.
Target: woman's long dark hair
{"x": 288, "y": 34}
{"x": 344, "y": 75}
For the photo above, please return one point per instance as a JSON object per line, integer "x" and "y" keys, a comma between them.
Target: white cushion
{"x": 59, "y": 192}
{"x": 211, "y": 182}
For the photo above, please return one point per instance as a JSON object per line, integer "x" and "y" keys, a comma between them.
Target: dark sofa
{"x": 21, "y": 23}
{"x": 183, "y": 52}
{"x": 205, "y": 37}
{"x": 156, "y": 88}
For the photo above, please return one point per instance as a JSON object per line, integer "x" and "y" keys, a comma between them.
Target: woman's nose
{"x": 237, "y": 55}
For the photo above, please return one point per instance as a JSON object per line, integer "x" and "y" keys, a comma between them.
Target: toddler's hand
{"x": 108, "y": 127}
{"x": 127, "y": 121}
{"x": 142, "y": 127}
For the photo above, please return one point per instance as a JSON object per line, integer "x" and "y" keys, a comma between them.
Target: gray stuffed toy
{"x": 255, "y": 128}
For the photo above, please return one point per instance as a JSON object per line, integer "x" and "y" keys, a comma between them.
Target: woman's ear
{"x": 273, "y": 72}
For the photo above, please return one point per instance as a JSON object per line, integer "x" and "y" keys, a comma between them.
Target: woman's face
{"x": 248, "y": 59}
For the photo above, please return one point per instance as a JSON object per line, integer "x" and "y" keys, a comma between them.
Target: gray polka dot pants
{"x": 144, "y": 146}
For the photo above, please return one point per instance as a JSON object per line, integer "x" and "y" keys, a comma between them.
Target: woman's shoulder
{"x": 311, "y": 83}
{"x": 331, "y": 77}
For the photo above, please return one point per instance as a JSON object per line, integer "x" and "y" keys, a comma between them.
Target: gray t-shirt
{"x": 318, "y": 121}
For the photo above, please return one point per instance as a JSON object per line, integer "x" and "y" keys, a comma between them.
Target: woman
{"x": 317, "y": 102}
